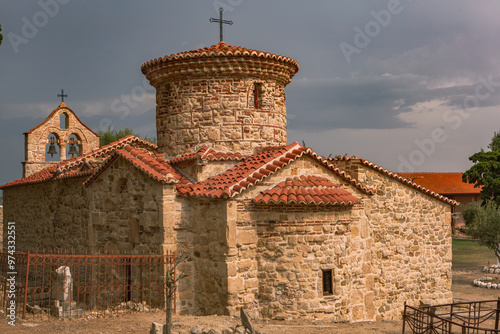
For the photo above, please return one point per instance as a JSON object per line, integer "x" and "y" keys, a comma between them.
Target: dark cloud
{"x": 94, "y": 49}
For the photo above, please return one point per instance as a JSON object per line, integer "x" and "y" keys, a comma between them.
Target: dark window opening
{"x": 63, "y": 121}
{"x": 257, "y": 95}
{"x": 327, "y": 282}
{"x": 166, "y": 98}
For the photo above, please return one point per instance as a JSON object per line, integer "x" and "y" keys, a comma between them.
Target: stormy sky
{"x": 409, "y": 85}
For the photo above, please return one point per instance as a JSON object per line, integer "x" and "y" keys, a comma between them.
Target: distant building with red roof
{"x": 266, "y": 223}
{"x": 451, "y": 186}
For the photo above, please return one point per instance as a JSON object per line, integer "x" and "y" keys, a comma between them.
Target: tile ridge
{"x": 272, "y": 169}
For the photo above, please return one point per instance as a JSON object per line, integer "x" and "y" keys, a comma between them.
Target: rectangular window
{"x": 327, "y": 282}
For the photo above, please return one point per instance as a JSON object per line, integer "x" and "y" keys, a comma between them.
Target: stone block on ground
{"x": 245, "y": 321}
{"x": 196, "y": 330}
{"x": 239, "y": 330}
{"x": 156, "y": 328}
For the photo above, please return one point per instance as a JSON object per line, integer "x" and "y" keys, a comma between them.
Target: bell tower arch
{"x": 59, "y": 136}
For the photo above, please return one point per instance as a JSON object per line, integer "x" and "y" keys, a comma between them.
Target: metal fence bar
{"x": 441, "y": 318}
{"x": 497, "y": 313}
{"x": 26, "y": 284}
{"x": 86, "y": 282}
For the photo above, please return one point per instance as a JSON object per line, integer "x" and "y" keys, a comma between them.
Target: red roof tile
{"x": 256, "y": 168}
{"x": 443, "y": 183}
{"x": 308, "y": 190}
{"x": 68, "y": 168}
{"x": 106, "y": 150}
{"x": 397, "y": 177}
{"x": 149, "y": 163}
{"x": 77, "y": 173}
{"x": 220, "y": 49}
{"x": 208, "y": 153}
{"x": 39, "y": 177}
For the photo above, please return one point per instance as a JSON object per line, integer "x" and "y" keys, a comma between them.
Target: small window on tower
{"x": 162, "y": 99}
{"x": 257, "y": 95}
{"x": 327, "y": 282}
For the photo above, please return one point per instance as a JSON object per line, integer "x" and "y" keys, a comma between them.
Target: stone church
{"x": 269, "y": 225}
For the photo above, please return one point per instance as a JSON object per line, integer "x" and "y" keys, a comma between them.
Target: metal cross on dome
{"x": 220, "y": 21}
{"x": 62, "y": 95}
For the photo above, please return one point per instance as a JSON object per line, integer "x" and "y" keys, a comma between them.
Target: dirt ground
{"x": 141, "y": 322}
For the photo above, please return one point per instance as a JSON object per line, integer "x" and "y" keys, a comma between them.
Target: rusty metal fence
{"x": 74, "y": 285}
{"x": 479, "y": 317}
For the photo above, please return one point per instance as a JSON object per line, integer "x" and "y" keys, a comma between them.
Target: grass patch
{"x": 469, "y": 255}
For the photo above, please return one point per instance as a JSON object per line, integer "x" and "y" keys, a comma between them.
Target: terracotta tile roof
{"x": 220, "y": 49}
{"x": 208, "y": 153}
{"x": 443, "y": 183}
{"x": 62, "y": 105}
{"x": 149, "y": 163}
{"x": 77, "y": 173}
{"x": 39, "y": 177}
{"x": 69, "y": 168}
{"x": 397, "y": 177}
{"x": 105, "y": 151}
{"x": 256, "y": 168}
{"x": 308, "y": 190}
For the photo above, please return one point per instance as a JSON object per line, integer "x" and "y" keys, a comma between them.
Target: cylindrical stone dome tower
{"x": 227, "y": 97}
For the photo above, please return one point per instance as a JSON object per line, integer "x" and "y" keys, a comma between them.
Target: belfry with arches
{"x": 59, "y": 137}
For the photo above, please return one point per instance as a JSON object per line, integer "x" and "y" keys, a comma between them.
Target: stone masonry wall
{"x": 125, "y": 210}
{"x": 219, "y": 113}
{"x": 295, "y": 243}
{"x": 119, "y": 211}
{"x": 53, "y": 215}
{"x": 282, "y": 250}
{"x": 178, "y": 213}
{"x": 395, "y": 247}
{"x": 410, "y": 243}
{"x": 210, "y": 248}
{"x": 1, "y": 226}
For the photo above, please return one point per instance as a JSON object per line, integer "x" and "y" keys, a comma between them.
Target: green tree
{"x": 486, "y": 170}
{"x": 494, "y": 146}
{"x": 483, "y": 223}
{"x": 111, "y": 135}
{"x": 482, "y": 220}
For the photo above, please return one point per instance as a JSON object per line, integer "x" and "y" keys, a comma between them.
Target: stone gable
{"x": 62, "y": 123}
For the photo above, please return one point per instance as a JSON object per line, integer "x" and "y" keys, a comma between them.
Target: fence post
{"x": 26, "y": 285}
{"x": 175, "y": 287}
{"x": 404, "y": 318}
{"x": 451, "y": 318}
{"x": 497, "y": 313}
{"x": 432, "y": 313}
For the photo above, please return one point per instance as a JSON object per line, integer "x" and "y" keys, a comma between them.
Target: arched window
{"x": 52, "y": 149}
{"x": 74, "y": 146}
{"x": 257, "y": 95}
{"x": 63, "y": 121}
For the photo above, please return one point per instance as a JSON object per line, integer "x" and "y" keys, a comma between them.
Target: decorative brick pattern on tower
{"x": 36, "y": 140}
{"x": 230, "y": 98}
